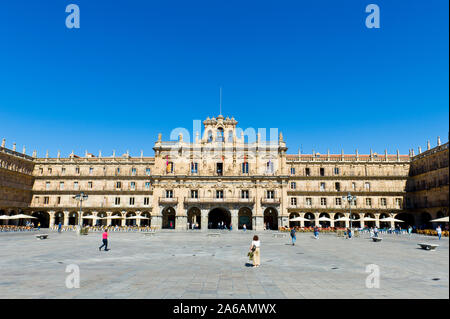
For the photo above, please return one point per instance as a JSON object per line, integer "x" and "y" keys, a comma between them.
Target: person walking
{"x": 255, "y": 248}
{"x": 59, "y": 227}
{"x": 349, "y": 233}
{"x": 293, "y": 236}
{"x": 316, "y": 232}
{"x": 39, "y": 225}
{"x": 410, "y": 230}
{"x": 104, "y": 240}
{"x": 244, "y": 227}
{"x": 439, "y": 231}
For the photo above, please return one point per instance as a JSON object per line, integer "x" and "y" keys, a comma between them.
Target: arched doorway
{"x": 43, "y": 218}
{"x": 129, "y": 221}
{"x": 116, "y": 219}
{"x": 425, "y": 221}
{"x": 168, "y": 218}
{"x": 407, "y": 218}
{"x": 218, "y": 215}
{"x": 245, "y": 218}
{"x": 145, "y": 222}
{"x": 354, "y": 222}
{"x": 87, "y": 219}
{"x": 294, "y": 224}
{"x": 194, "y": 218}
{"x": 324, "y": 223}
{"x": 73, "y": 218}
{"x": 59, "y": 218}
{"x": 271, "y": 218}
{"x": 311, "y": 220}
{"x": 339, "y": 224}
{"x": 101, "y": 221}
{"x": 369, "y": 223}
{"x": 384, "y": 224}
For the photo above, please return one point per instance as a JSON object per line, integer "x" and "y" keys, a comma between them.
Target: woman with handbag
{"x": 254, "y": 248}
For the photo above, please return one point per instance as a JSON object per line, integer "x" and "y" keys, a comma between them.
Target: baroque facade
{"x": 218, "y": 177}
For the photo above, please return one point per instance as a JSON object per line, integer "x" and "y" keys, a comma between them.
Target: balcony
{"x": 190, "y": 200}
{"x": 168, "y": 200}
{"x": 270, "y": 200}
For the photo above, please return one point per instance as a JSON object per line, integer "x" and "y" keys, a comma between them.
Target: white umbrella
{"x": 299, "y": 219}
{"x": 90, "y": 217}
{"x": 391, "y": 219}
{"x": 366, "y": 219}
{"x": 137, "y": 217}
{"x": 324, "y": 219}
{"x": 342, "y": 219}
{"x": 21, "y": 216}
{"x": 112, "y": 217}
{"x": 4, "y": 217}
{"x": 438, "y": 220}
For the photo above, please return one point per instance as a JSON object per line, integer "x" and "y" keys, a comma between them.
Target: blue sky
{"x": 309, "y": 68}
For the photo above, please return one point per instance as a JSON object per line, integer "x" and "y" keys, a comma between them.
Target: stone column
{"x": 316, "y": 217}
{"x": 52, "y": 218}
{"x": 66, "y": 218}
{"x": 302, "y": 223}
{"x": 377, "y": 222}
{"x": 332, "y": 219}
{"x": 123, "y": 220}
{"x": 180, "y": 222}
{"x": 156, "y": 221}
{"x": 108, "y": 218}
{"x": 204, "y": 220}
{"x": 234, "y": 219}
{"x": 347, "y": 222}
{"x": 138, "y": 221}
{"x": 258, "y": 222}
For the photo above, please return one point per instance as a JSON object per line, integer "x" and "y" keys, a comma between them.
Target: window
{"x": 383, "y": 201}
{"x": 353, "y": 202}
{"x": 337, "y": 186}
{"x": 210, "y": 137}
{"x": 294, "y": 201}
{"x": 75, "y": 185}
{"x": 37, "y": 200}
{"x": 336, "y": 171}
{"x": 322, "y": 186}
{"x": 219, "y": 194}
{"x": 146, "y": 201}
{"x": 63, "y": 170}
{"x": 90, "y": 185}
{"x": 49, "y": 171}
{"x": 245, "y": 168}
{"x": 244, "y": 194}
{"x": 293, "y": 185}
{"x": 307, "y": 172}
{"x": 220, "y": 134}
{"x": 58, "y": 200}
{"x": 323, "y": 201}
{"x": 308, "y": 201}
{"x": 219, "y": 168}
{"x": 292, "y": 170}
{"x": 269, "y": 167}
{"x": 118, "y": 170}
{"x": 194, "y": 168}
{"x": 117, "y": 201}
{"x": 147, "y": 171}
{"x": 169, "y": 193}
{"x": 47, "y": 185}
{"x": 118, "y": 185}
{"x": 367, "y": 186}
{"x": 46, "y": 200}
{"x": 77, "y": 170}
{"x": 322, "y": 171}
{"x": 147, "y": 185}
{"x": 338, "y": 201}
{"x": 133, "y": 185}
{"x": 41, "y": 171}
{"x": 353, "y": 186}
{"x": 131, "y": 201}
{"x": 271, "y": 194}
{"x": 369, "y": 202}
{"x": 169, "y": 167}
{"x": 61, "y": 186}
{"x": 91, "y": 170}
{"x": 194, "y": 193}
{"x": 398, "y": 202}
{"x": 133, "y": 171}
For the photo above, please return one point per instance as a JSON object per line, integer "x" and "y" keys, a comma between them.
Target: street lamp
{"x": 80, "y": 197}
{"x": 349, "y": 198}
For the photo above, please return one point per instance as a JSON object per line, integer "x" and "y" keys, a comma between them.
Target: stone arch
{"x": 59, "y": 218}
{"x": 271, "y": 218}
{"x": 245, "y": 217}
{"x": 310, "y": 216}
{"x": 130, "y": 221}
{"x": 87, "y": 221}
{"x": 218, "y": 215}
{"x": 353, "y": 217}
{"x": 194, "y": 217}
{"x": 169, "y": 218}
{"x": 116, "y": 221}
{"x": 424, "y": 220}
{"x": 73, "y": 218}
{"x": 408, "y": 219}
{"x": 339, "y": 224}
{"x": 41, "y": 217}
{"x": 294, "y": 224}
{"x": 101, "y": 221}
{"x": 369, "y": 223}
{"x": 384, "y": 224}
{"x": 146, "y": 222}
{"x": 324, "y": 223}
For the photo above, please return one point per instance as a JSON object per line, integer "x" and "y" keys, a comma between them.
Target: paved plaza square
{"x": 196, "y": 265}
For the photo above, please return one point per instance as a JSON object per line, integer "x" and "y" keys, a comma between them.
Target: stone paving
{"x": 194, "y": 265}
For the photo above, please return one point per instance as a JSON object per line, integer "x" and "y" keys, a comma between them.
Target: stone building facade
{"x": 218, "y": 177}
{"x": 427, "y": 187}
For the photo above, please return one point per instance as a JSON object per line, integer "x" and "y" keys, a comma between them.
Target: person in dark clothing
{"x": 293, "y": 236}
